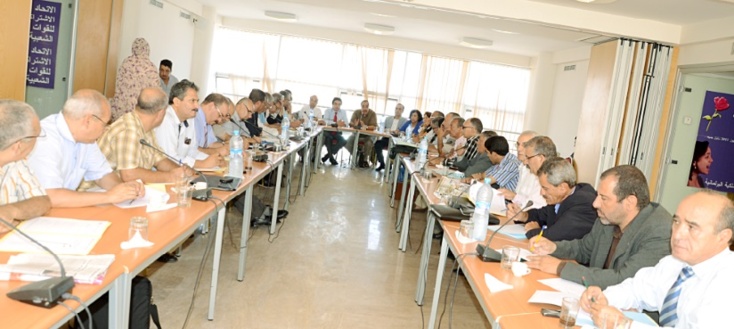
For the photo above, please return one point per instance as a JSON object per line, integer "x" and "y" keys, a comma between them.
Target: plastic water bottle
{"x": 285, "y": 125}
{"x": 236, "y": 163}
{"x": 480, "y": 218}
{"x": 310, "y": 119}
{"x": 409, "y": 135}
{"x": 422, "y": 153}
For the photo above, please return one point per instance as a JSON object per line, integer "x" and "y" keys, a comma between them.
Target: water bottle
{"x": 408, "y": 135}
{"x": 422, "y": 153}
{"x": 236, "y": 165}
{"x": 480, "y": 218}
{"x": 285, "y": 125}
{"x": 310, "y": 119}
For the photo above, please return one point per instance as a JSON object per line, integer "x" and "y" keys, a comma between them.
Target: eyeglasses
{"x": 532, "y": 156}
{"x": 225, "y": 116}
{"x": 100, "y": 120}
{"x": 27, "y": 138}
{"x": 466, "y": 127}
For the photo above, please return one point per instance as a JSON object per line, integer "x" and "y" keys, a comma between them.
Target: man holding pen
{"x": 631, "y": 233}
{"x": 690, "y": 288}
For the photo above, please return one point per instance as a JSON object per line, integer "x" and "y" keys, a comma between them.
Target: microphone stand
{"x": 201, "y": 195}
{"x": 485, "y": 252}
{"x": 281, "y": 145}
{"x": 43, "y": 293}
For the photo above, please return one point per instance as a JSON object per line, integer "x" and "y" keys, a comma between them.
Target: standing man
{"x": 392, "y": 124}
{"x": 21, "y": 196}
{"x": 333, "y": 140}
{"x": 364, "y": 119}
{"x": 569, "y": 214}
{"x": 177, "y": 133}
{"x": 69, "y": 154}
{"x": 167, "y": 79}
{"x": 690, "y": 288}
{"x": 121, "y": 145}
{"x": 631, "y": 233}
{"x": 528, "y": 186}
{"x": 310, "y": 109}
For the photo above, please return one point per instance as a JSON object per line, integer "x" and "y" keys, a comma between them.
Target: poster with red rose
{"x": 714, "y": 145}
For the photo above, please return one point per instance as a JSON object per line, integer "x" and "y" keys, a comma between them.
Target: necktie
{"x": 668, "y": 314}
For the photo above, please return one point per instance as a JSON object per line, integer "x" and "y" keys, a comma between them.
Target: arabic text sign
{"x": 717, "y": 128}
{"x": 44, "y": 35}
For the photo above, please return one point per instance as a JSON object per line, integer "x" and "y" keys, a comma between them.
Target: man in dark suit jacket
{"x": 569, "y": 214}
{"x": 631, "y": 233}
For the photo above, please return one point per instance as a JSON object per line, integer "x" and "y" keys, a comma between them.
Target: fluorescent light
{"x": 281, "y": 16}
{"x": 504, "y": 31}
{"x": 379, "y": 29}
{"x": 475, "y": 43}
{"x": 597, "y": 2}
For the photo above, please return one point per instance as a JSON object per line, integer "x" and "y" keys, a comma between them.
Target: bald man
{"x": 69, "y": 154}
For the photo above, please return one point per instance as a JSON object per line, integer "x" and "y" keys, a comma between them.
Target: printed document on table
{"x": 63, "y": 236}
{"x": 152, "y": 196}
{"x": 35, "y": 267}
{"x": 564, "y": 285}
{"x": 516, "y": 231}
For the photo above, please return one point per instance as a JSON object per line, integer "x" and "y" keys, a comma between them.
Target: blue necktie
{"x": 668, "y": 314}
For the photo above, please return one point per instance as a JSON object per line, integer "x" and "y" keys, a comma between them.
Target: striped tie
{"x": 668, "y": 314}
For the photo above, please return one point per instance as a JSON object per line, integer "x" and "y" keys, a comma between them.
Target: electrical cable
{"x": 71, "y": 311}
{"x": 79, "y": 300}
{"x": 197, "y": 281}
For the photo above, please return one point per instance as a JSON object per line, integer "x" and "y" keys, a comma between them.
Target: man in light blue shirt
{"x": 504, "y": 171}
{"x": 215, "y": 109}
{"x": 333, "y": 140}
{"x": 69, "y": 154}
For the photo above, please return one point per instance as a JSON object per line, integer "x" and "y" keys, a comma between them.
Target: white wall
{"x": 568, "y": 96}
{"x": 169, "y": 35}
{"x": 540, "y": 94}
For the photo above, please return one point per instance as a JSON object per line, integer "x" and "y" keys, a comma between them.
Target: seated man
{"x": 69, "y": 154}
{"x": 569, "y": 214}
{"x": 471, "y": 129}
{"x": 692, "y": 287}
{"x": 309, "y": 110}
{"x": 631, "y": 233}
{"x": 177, "y": 133}
{"x": 364, "y": 119}
{"x": 333, "y": 140}
{"x": 504, "y": 170}
{"x": 444, "y": 140}
{"x": 479, "y": 164}
{"x": 528, "y": 187}
{"x": 132, "y": 160}
{"x": 214, "y": 110}
{"x": 21, "y": 196}
{"x": 392, "y": 124}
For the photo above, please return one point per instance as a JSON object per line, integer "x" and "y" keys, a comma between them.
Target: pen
{"x": 539, "y": 236}
{"x": 586, "y": 284}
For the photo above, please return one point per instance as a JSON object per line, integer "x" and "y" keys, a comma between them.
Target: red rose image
{"x": 720, "y": 103}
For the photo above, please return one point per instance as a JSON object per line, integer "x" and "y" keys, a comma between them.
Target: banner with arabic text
{"x": 710, "y": 166}
{"x": 44, "y": 35}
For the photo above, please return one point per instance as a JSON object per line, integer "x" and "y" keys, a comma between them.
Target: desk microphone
{"x": 237, "y": 124}
{"x": 277, "y": 138}
{"x": 201, "y": 195}
{"x": 43, "y": 293}
{"x": 485, "y": 252}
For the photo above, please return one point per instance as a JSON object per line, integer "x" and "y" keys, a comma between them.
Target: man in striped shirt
{"x": 504, "y": 171}
{"x": 21, "y": 195}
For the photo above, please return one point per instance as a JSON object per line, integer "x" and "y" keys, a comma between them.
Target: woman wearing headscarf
{"x": 135, "y": 73}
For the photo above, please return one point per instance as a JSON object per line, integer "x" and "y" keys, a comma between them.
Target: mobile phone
{"x": 226, "y": 180}
{"x": 550, "y": 313}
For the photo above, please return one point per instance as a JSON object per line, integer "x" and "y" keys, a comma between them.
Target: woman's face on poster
{"x": 704, "y": 162}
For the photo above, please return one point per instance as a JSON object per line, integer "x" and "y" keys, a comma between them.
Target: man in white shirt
{"x": 445, "y": 140}
{"x": 69, "y": 154}
{"x": 333, "y": 140}
{"x": 177, "y": 133}
{"x": 692, "y": 287}
{"x": 21, "y": 196}
{"x": 310, "y": 109}
{"x": 528, "y": 186}
{"x": 392, "y": 126}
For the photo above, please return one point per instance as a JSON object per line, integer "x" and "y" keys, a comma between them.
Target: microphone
{"x": 43, "y": 293}
{"x": 237, "y": 124}
{"x": 485, "y": 252}
{"x": 277, "y": 138}
{"x": 200, "y": 195}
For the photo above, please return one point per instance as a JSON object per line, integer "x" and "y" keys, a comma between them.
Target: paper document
{"x": 584, "y": 319}
{"x": 152, "y": 196}
{"x": 63, "y": 236}
{"x": 35, "y": 267}
{"x": 572, "y": 288}
{"x": 516, "y": 231}
{"x": 549, "y": 297}
{"x": 494, "y": 284}
{"x": 497, "y": 207}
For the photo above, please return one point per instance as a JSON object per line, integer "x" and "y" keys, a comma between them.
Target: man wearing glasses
{"x": 69, "y": 154}
{"x": 21, "y": 196}
{"x": 215, "y": 109}
{"x": 528, "y": 186}
{"x": 471, "y": 129}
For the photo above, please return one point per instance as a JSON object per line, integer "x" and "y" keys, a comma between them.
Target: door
{"x": 683, "y": 134}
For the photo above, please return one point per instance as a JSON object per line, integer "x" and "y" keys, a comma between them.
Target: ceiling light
{"x": 504, "y": 31}
{"x": 379, "y": 29}
{"x": 597, "y": 2}
{"x": 475, "y": 43}
{"x": 281, "y": 16}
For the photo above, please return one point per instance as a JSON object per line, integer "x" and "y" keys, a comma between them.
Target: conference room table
{"x": 166, "y": 229}
{"x": 356, "y": 132}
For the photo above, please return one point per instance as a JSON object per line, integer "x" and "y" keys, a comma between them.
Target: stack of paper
{"x": 63, "y": 236}
{"x": 516, "y": 231}
{"x": 36, "y": 267}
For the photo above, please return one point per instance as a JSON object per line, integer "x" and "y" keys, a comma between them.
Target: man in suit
{"x": 569, "y": 214}
{"x": 391, "y": 126}
{"x": 631, "y": 233}
{"x": 692, "y": 287}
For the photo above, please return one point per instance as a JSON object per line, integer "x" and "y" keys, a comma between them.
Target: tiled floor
{"x": 335, "y": 264}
